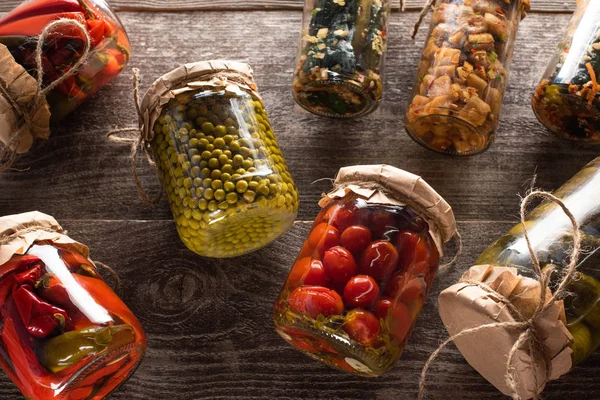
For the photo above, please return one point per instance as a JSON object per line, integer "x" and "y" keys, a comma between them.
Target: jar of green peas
{"x": 227, "y": 182}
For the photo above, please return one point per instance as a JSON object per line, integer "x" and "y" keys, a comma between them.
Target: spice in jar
{"x": 502, "y": 287}
{"x": 65, "y": 333}
{"x": 228, "y": 184}
{"x": 360, "y": 280}
{"x": 339, "y": 69}
{"x": 462, "y": 76}
{"x": 566, "y": 100}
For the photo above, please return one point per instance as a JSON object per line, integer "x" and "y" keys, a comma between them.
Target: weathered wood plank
{"x": 180, "y": 5}
{"x": 210, "y": 328}
{"x": 80, "y": 174}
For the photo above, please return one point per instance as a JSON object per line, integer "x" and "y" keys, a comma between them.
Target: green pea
{"x": 213, "y": 163}
{"x": 220, "y": 130}
{"x": 253, "y": 186}
{"x": 212, "y": 205}
{"x": 207, "y": 127}
{"x": 263, "y": 190}
{"x": 203, "y": 142}
{"x": 232, "y": 130}
{"x": 197, "y": 181}
{"x": 249, "y": 196}
{"x": 223, "y": 206}
{"x": 186, "y": 165}
{"x": 219, "y": 194}
{"x": 216, "y": 184}
{"x": 215, "y": 174}
{"x": 219, "y": 143}
{"x": 223, "y": 159}
{"x": 208, "y": 194}
{"x": 229, "y": 186}
{"x": 238, "y": 160}
{"x": 234, "y": 145}
{"x": 196, "y": 159}
{"x": 241, "y": 186}
{"x": 225, "y": 176}
{"x": 232, "y": 198}
{"x": 207, "y": 182}
{"x": 205, "y": 172}
{"x": 247, "y": 164}
{"x": 193, "y": 142}
{"x": 227, "y": 169}
{"x": 206, "y": 155}
{"x": 202, "y": 204}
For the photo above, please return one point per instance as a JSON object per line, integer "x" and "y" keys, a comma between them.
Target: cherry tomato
{"x": 400, "y": 322}
{"x": 355, "y": 213}
{"x": 361, "y": 292}
{"x": 379, "y": 260}
{"x": 339, "y": 265}
{"x": 315, "y": 301}
{"x": 323, "y": 237}
{"x": 413, "y": 249}
{"x": 362, "y": 326}
{"x": 307, "y": 271}
{"x": 382, "y": 307}
{"x": 356, "y": 238}
{"x": 382, "y": 222}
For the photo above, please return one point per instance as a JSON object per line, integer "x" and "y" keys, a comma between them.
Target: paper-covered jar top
{"x": 384, "y": 184}
{"x": 19, "y": 232}
{"x": 482, "y": 297}
{"x": 215, "y": 75}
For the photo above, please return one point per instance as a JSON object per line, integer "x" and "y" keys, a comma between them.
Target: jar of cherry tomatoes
{"x": 360, "y": 280}
{"x": 65, "y": 333}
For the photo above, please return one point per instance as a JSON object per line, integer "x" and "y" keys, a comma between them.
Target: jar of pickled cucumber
{"x": 567, "y": 98}
{"x": 570, "y": 331}
{"x": 461, "y": 79}
{"x": 228, "y": 184}
{"x": 340, "y": 57}
{"x": 360, "y": 280}
{"x": 65, "y": 333}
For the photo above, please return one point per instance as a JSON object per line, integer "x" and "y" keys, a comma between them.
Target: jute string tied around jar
{"x": 33, "y": 113}
{"x": 529, "y": 335}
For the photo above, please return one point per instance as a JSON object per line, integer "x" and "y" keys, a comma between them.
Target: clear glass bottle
{"x": 550, "y": 232}
{"x": 461, "y": 79}
{"x": 566, "y": 100}
{"x": 109, "y": 52}
{"x": 228, "y": 184}
{"x": 65, "y": 334}
{"x": 340, "y": 57}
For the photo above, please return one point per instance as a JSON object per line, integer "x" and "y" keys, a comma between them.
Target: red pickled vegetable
{"x": 413, "y": 289}
{"x": 322, "y": 238}
{"x": 382, "y": 306}
{"x": 415, "y": 249}
{"x": 315, "y": 301}
{"x": 307, "y": 271}
{"x": 362, "y": 326}
{"x": 17, "y": 264}
{"x": 379, "y": 260}
{"x": 40, "y": 318}
{"x": 29, "y": 277}
{"x": 349, "y": 214}
{"x": 361, "y": 291}
{"x": 400, "y": 322}
{"x": 339, "y": 265}
{"x": 382, "y": 222}
{"x": 356, "y": 238}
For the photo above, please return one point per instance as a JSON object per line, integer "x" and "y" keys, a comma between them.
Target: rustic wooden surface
{"x": 209, "y": 322}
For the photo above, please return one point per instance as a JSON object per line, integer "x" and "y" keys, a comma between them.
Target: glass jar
{"x": 550, "y": 232}
{"x": 65, "y": 333}
{"x": 109, "y": 51}
{"x": 566, "y": 100}
{"x": 461, "y": 79}
{"x": 360, "y": 280}
{"x": 229, "y": 187}
{"x": 340, "y": 57}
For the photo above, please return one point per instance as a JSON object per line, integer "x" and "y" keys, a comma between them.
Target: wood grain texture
{"x": 209, "y": 322}
{"x": 245, "y": 5}
{"x": 211, "y": 332}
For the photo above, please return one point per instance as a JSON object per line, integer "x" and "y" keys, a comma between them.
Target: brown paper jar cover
{"x": 384, "y": 184}
{"x": 466, "y": 305}
{"x": 21, "y": 89}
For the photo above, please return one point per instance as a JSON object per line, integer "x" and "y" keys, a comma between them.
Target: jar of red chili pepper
{"x": 70, "y": 74}
{"x": 65, "y": 334}
{"x": 360, "y": 280}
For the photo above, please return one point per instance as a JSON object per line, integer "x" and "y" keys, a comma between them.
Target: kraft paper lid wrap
{"x": 20, "y": 231}
{"x": 217, "y": 75}
{"x": 21, "y": 89}
{"x": 384, "y": 184}
{"x": 466, "y": 305}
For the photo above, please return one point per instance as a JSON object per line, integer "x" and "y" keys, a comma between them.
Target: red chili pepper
{"x": 40, "y": 318}
{"x": 52, "y": 290}
{"x": 42, "y": 8}
{"x": 29, "y": 277}
{"x": 17, "y": 264}
{"x": 74, "y": 259}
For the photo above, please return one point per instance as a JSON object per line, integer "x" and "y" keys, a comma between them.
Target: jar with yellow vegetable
{"x": 461, "y": 79}
{"x": 227, "y": 182}
{"x": 569, "y": 329}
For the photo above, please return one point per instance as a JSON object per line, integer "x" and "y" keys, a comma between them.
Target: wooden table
{"x": 209, "y": 322}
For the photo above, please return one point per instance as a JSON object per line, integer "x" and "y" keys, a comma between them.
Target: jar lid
{"x": 467, "y": 305}
{"x": 18, "y": 94}
{"x": 215, "y": 74}
{"x": 384, "y": 184}
{"x": 19, "y": 232}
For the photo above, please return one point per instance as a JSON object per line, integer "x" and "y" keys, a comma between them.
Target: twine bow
{"x": 138, "y": 143}
{"x": 529, "y": 335}
{"x": 7, "y": 155}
